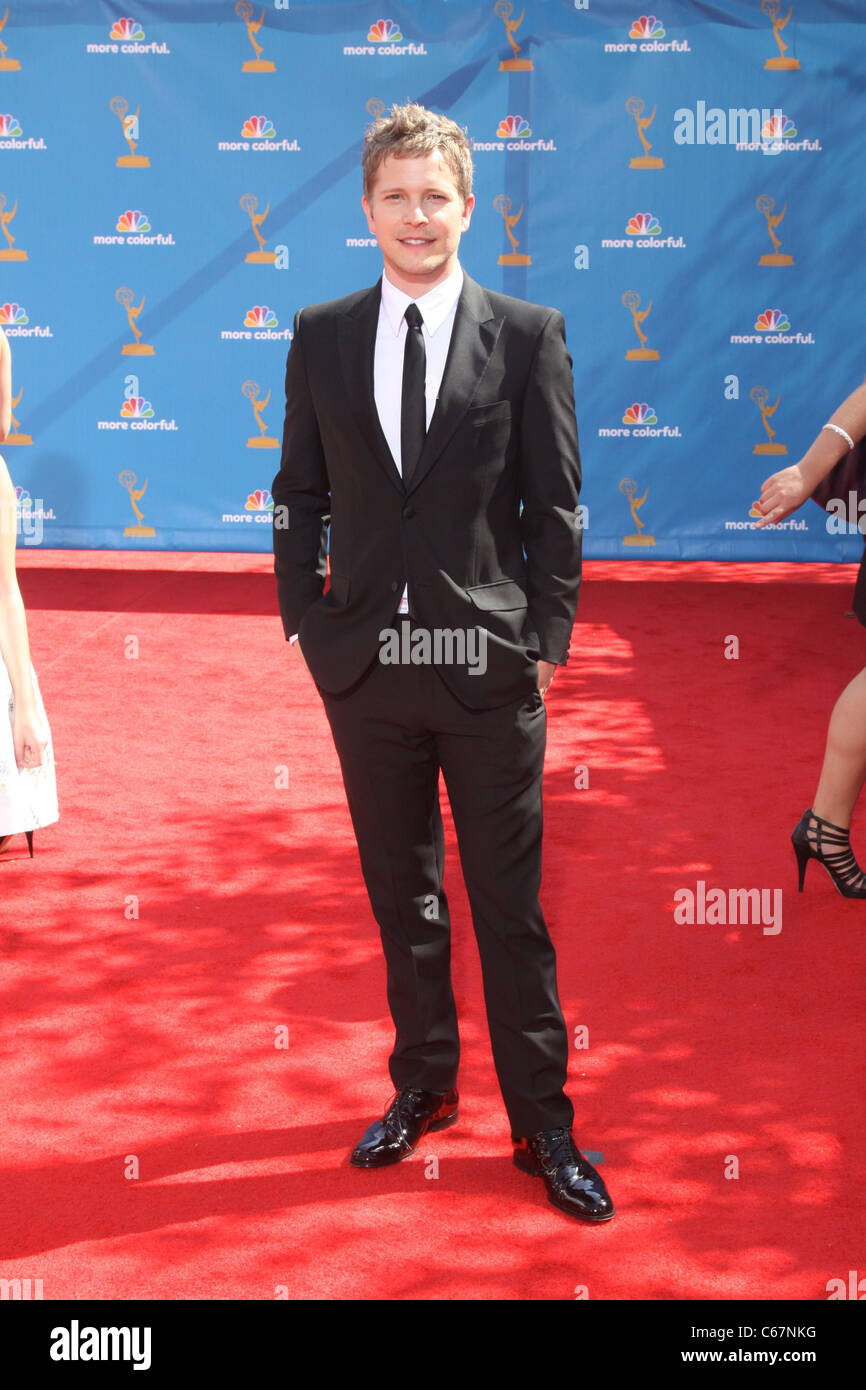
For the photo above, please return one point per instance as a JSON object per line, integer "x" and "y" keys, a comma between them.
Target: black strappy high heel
{"x": 831, "y": 845}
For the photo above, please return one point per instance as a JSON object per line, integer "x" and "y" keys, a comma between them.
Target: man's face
{"x": 417, "y": 215}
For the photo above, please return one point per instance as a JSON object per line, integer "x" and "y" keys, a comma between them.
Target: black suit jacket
{"x": 503, "y": 432}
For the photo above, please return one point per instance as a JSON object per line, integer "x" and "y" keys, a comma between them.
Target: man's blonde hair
{"x": 412, "y": 130}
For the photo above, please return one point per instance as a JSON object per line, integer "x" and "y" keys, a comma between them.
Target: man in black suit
{"x": 431, "y": 423}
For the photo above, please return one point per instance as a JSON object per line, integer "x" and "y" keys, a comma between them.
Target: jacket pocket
{"x": 499, "y": 597}
{"x": 499, "y": 411}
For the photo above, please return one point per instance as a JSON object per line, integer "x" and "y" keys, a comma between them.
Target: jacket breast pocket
{"x": 494, "y": 413}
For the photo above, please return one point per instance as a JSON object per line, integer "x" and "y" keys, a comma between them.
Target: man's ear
{"x": 467, "y": 210}
{"x": 366, "y": 206}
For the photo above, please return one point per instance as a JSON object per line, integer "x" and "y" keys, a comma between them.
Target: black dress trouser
{"x": 393, "y": 731}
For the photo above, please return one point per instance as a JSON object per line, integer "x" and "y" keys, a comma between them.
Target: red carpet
{"x": 188, "y": 905}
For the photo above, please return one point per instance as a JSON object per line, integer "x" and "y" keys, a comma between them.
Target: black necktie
{"x": 413, "y": 410}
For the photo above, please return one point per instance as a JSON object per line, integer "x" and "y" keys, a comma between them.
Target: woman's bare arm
{"x": 785, "y": 491}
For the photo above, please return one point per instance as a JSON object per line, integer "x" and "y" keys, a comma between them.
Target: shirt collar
{"x": 435, "y": 305}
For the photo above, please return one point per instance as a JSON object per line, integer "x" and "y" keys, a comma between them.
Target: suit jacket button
{"x": 409, "y": 511}
{"x": 394, "y": 586}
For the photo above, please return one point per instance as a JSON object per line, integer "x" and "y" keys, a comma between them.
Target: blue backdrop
{"x": 177, "y": 182}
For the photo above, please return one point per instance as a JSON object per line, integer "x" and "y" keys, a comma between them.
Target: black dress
{"x": 849, "y": 475}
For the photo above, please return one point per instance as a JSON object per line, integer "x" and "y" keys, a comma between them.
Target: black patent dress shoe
{"x": 409, "y": 1116}
{"x": 572, "y": 1183}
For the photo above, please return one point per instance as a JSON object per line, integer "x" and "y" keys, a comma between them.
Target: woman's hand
{"x": 30, "y": 737}
{"x": 782, "y": 493}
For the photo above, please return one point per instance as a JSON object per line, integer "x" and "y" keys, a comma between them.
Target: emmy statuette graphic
{"x": 502, "y": 204}
{"x": 125, "y": 297}
{"x": 7, "y": 64}
{"x": 635, "y": 107}
{"x": 504, "y": 10}
{"x": 128, "y": 480}
{"x": 781, "y": 64}
{"x": 15, "y": 436}
{"x": 631, "y": 300}
{"x": 628, "y": 488}
{"x": 120, "y": 107}
{"x": 760, "y": 395}
{"x": 263, "y": 440}
{"x": 765, "y": 205}
{"x": 244, "y": 11}
{"x": 249, "y": 202}
{"x": 9, "y": 253}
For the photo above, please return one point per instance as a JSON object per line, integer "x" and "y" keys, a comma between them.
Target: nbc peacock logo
{"x": 778, "y": 127}
{"x": 258, "y": 133}
{"x": 513, "y": 128}
{"x": 773, "y": 326}
{"x": 778, "y": 135}
{"x": 133, "y": 228}
{"x": 29, "y": 516}
{"x": 513, "y": 133}
{"x": 12, "y": 136}
{"x": 133, "y": 220}
{"x": 13, "y": 315}
{"x": 640, "y": 414}
{"x": 647, "y": 27}
{"x": 126, "y": 35}
{"x": 751, "y": 524}
{"x": 647, "y": 35}
{"x": 772, "y": 321}
{"x": 258, "y": 508}
{"x": 136, "y": 413}
{"x": 643, "y": 224}
{"x": 260, "y": 322}
{"x": 260, "y": 316}
{"x": 137, "y": 408}
{"x": 384, "y": 31}
{"x": 643, "y": 231}
{"x": 260, "y": 501}
{"x": 258, "y": 128}
{"x": 16, "y": 323}
{"x": 127, "y": 31}
{"x": 640, "y": 421}
{"x": 384, "y": 39}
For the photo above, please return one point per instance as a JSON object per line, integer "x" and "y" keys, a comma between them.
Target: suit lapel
{"x": 473, "y": 339}
{"x": 356, "y": 337}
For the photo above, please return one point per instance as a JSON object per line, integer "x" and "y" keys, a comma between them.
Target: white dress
{"x": 28, "y": 796}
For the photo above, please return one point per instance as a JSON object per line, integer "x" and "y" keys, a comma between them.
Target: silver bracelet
{"x": 839, "y": 430}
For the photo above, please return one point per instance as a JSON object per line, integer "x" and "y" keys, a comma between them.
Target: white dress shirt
{"x": 438, "y": 308}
